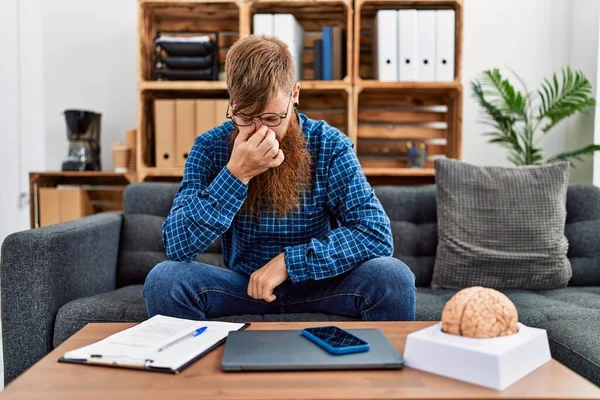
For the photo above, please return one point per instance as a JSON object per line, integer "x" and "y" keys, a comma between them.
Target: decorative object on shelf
{"x": 121, "y": 154}
{"x": 479, "y": 312}
{"x": 83, "y": 133}
{"x": 186, "y": 56}
{"x": 516, "y": 117}
{"x": 416, "y": 152}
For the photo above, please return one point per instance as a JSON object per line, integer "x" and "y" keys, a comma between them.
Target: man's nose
{"x": 257, "y": 123}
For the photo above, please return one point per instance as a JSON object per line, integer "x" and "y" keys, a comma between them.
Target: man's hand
{"x": 254, "y": 153}
{"x": 264, "y": 280}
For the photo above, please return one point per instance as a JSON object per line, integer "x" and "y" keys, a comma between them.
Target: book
{"x": 160, "y": 344}
{"x": 317, "y": 60}
{"x": 327, "y": 53}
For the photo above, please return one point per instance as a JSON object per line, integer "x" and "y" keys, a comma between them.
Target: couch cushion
{"x": 122, "y": 305}
{"x": 583, "y": 233}
{"x": 577, "y": 346}
{"x": 413, "y": 216}
{"x": 145, "y": 207}
{"x": 501, "y": 227}
{"x": 534, "y": 307}
{"x": 127, "y": 305}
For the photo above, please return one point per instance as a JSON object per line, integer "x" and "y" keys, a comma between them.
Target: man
{"x": 301, "y": 229}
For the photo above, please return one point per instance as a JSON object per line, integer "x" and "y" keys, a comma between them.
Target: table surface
{"x": 49, "y": 379}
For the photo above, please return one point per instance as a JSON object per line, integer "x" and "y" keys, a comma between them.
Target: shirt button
{"x": 241, "y": 196}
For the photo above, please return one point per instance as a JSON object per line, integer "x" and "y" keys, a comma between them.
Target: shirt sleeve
{"x": 364, "y": 232}
{"x": 202, "y": 210}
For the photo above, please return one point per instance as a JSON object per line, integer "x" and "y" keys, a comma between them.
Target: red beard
{"x": 279, "y": 189}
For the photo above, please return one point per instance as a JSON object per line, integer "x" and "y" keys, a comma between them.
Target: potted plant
{"x": 519, "y": 119}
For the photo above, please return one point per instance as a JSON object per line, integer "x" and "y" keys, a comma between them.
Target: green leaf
{"x": 575, "y": 154}
{"x": 561, "y": 100}
{"x": 501, "y": 93}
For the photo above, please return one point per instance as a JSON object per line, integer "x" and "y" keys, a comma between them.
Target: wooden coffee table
{"x": 49, "y": 379}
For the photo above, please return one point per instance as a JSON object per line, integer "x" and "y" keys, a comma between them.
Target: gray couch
{"x": 56, "y": 279}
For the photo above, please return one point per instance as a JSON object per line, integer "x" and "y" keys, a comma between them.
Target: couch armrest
{"x": 43, "y": 269}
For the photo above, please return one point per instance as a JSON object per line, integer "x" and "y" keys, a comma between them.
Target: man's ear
{"x": 296, "y": 95}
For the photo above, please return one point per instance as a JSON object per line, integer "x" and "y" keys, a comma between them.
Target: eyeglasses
{"x": 267, "y": 119}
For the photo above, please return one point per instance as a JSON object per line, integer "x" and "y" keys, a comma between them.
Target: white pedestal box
{"x": 495, "y": 363}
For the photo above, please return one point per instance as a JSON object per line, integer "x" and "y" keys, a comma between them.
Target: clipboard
{"x": 159, "y": 344}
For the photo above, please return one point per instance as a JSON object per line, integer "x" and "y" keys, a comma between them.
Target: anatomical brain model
{"x": 479, "y": 312}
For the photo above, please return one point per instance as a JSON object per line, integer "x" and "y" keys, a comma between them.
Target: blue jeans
{"x": 381, "y": 289}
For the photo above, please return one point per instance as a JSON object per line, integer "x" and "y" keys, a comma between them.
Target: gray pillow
{"x": 501, "y": 227}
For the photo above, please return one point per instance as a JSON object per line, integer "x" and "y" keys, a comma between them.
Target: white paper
{"x": 140, "y": 344}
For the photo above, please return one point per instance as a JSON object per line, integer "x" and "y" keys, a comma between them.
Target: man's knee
{"x": 389, "y": 272}
{"x": 392, "y": 293}
{"x": 159, "y": 278}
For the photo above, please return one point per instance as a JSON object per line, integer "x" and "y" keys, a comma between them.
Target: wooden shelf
{"x": 325, "y": 85}
{"x": 362, "y": 84}
{"x": 371, "y": 171}
{"x": 104, "y": 188}
{"x": 175, "y": 171}
{"x": 160, "y": 174}
{"x": 286, "y": 3}
{"x": 183, "y": 85}
{"x": 183, "y": 2}
{"x": 222, "y": 85}
{"x": 411, "y": 3}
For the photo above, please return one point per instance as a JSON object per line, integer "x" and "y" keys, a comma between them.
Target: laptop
{"x": 288, "y": 350}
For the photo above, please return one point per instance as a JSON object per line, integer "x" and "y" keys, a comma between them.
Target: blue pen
{"x": 197, "y": 332}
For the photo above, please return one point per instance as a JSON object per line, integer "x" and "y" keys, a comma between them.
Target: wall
{"x": 537, "y": 32}
{"x": 543, "y": 37}
{"x": 90, "y": 56}
{"x": 583, "y": 54}
{"x": 9, "y": 134}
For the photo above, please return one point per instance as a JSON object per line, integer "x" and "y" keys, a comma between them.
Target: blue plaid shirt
{"x": 340, "y": 225}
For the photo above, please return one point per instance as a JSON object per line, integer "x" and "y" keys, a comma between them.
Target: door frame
{"x": 10, "y": 118}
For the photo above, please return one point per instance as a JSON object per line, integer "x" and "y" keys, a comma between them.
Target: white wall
{"x": 90, "y": 56}
{"x": 9, "y": 126}
{"x": 535, "y": 45}
{"x": 544, "y": 36}
{"x": 583, "y": 54}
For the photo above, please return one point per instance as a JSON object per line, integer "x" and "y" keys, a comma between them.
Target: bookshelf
{"x": 377, "y": 116}
{"x": 388, "y": 114}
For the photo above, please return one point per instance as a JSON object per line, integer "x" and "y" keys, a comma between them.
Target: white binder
{"x": 444, "y": 64}
{"x": 426, "y": 45}
{"x": 262, "y": 24}
{"x": 385, "y": 46}
{"x": 287, "y": 28}
{"x": 407, "y": 45}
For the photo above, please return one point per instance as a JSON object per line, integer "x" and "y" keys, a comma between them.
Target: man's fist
{"x": 254, "y": 153}
{"x": 264, "y": 280}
